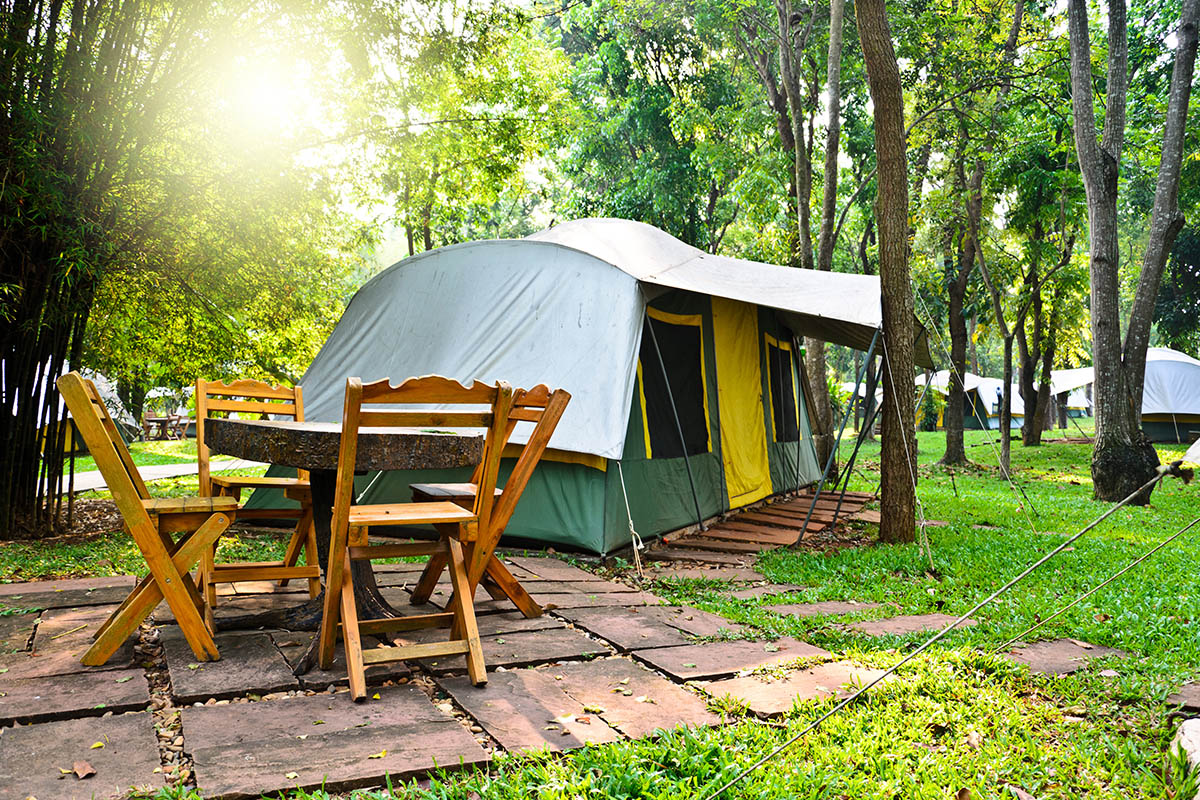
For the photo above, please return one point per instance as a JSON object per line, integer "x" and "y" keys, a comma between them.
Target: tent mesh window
{"x": 783, "y": 393}
{"x": 682, "y": 355}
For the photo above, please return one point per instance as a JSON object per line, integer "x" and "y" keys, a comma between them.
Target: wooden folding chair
{"x": 543, "y": 408}
{"x": 260, "y": 399}
{"x": 456, "y": 525}
{"x": 150, "y": 522}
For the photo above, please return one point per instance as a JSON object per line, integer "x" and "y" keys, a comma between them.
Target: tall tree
{"x": 898, "y": 457}
{"x": 1123, "y": 459}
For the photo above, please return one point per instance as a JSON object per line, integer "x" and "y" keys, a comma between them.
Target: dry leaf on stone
{"x": 380, "y": 754}
{"x": 83, "y": 769}
{"x": 291, "y": 776}
{"x": 1078, "y": 643}
{"x": 96, "y": 746}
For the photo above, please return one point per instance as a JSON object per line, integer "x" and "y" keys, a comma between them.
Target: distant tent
{"x": 1171, "y": 398}
{"x": 1075, "y": 383}
{"x": 126, "y": 424}
{"x": 982, "y": 407}
{"x": 571, "y": 307}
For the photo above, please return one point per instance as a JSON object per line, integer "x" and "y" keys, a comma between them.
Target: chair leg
{"x": 463, "y": 607}
{"x": 168, "y": 583}
{"x": 351, "y": 638}
{"x": 208, "y": 568}
{"x": 512, "y": 588}
{"x": 429, "y": 578}
{"x": 310, "y": 556}
{"x": 297, "y": 542}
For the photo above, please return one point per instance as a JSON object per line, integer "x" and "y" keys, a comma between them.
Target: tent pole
{"x": 862, "y": 437}
{"x": 687, "y": 462}
{"x": 799, "y": 391}
{"x": 845, "y": 418}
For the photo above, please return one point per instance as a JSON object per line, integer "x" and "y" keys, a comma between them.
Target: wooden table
{"x": 314, "y": 446}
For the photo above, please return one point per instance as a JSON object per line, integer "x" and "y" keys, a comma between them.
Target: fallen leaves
{"x": 83, "y": 769}
{"x": 380, "y": 754}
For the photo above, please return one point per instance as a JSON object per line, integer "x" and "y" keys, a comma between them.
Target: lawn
{"x": 152, "y": 453}
{"x": 956, "y": 718}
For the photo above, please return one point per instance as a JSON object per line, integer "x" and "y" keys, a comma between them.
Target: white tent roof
{"x": 1068, "y": 380}
{"x": 832, "y": 306}
{"x": 563, "y": 307}
{"x": 1172, "y": 383}
{"x": 987, "y": 388}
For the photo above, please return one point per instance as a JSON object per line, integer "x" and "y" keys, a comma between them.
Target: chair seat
{"x": 410, "y": 514}
{"x": 447, "y": 491}
{"x": 189, "y": 505}
{"x": 252, "y": 482}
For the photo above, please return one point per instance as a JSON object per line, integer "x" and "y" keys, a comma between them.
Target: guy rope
{"x": 1175, "y": 468}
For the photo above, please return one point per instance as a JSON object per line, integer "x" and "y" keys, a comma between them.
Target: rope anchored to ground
{"x": 1175, "y": 469}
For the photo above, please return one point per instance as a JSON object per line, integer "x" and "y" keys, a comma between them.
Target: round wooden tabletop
{"x": 315, "y": 445}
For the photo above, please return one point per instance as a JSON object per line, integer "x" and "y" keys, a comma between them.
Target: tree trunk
{"x": 898, "y": 457}
{"x": 1122, "y": 459}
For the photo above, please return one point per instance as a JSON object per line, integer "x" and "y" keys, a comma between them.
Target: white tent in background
{"x": 982, "y": 409}
{"x": 1074, "y": 382}
{"x": 1171, "y": 398}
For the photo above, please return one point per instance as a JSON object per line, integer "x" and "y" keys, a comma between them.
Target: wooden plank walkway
{"x": 768, "y": 526}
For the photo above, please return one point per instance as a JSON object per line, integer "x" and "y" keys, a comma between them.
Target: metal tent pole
{"x": 845, "y": 418}
{"x": 798, "y": 390}
{"x": 687, "y": 462}
{"x": 862, "y": 437}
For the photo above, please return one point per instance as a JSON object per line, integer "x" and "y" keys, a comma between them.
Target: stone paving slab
{"x": 524, "y": 648}
{"x": 771, "y": 697}
{"x": 714, "y": 574}
{"x": 244, "y": 750}
{"x": 638, "y": 628}
{"x": 551, "y": 569}
{"x": 823, "y": 607}
{"x": 70, "y": 593}
{"x": 1059, "y": 656}
{"x": 293, "y": 646}
{"x": 721, "y": 659}
{"x": 250, "y": 663}
{"x": 631, "y": 698}
{"x": 31, "y": 757}
{"x": 606, "y": 599}
{"x": 16, "y": 632}
{"x": 527, "y": 709}
{"x": 900, "y": 626}
{"x": 1188, "y": 696}
{"x": 767, "y": 590}
{"x": 61, "y": 639}
{"x": 80, "y": 694}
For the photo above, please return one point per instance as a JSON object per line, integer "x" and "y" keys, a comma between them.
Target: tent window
{"x": 680, "y": 339}
{"x": 784, "y": 411}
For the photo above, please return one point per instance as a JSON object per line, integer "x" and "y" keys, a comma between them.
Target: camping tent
{"x": 1074, "y": 383}
{"x": 652, "y": 338}
{"x": 1171, "y": 397}
{"x": 982, "y": 407}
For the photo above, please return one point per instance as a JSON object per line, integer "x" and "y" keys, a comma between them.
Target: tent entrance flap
{"x": 739, "y": 389}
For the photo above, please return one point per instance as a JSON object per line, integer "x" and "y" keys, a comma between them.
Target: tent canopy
{"x": 1172, "y": 383}
{"x": 564, "y": 307}
{"x": 832, "y": 306}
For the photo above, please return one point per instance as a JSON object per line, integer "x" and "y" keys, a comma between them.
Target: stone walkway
{"x": 92, "y": 479}
{"x": 607, "y": 662}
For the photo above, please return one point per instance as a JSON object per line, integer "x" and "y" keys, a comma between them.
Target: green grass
{"x": 957, "y": 717}
{"x": 152, "y": 453}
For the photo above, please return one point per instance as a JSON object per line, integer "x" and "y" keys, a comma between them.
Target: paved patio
{"x": 606, "y": 662}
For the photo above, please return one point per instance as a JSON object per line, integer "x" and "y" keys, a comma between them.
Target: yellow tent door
{"x": 739, "y": 392}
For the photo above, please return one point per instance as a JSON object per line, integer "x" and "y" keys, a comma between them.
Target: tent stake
{"x": 845, "y": 418}
{"x": 687, "y": 462}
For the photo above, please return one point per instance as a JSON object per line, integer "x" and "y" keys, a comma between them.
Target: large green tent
{"x": 687, "y": 393}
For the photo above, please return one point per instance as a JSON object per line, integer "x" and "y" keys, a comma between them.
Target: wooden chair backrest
{"x": 427, "y": 390}
{"x": 108, "y": 450}
{"x": 244, "y": 396}
{"x": 544, "y": 408}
